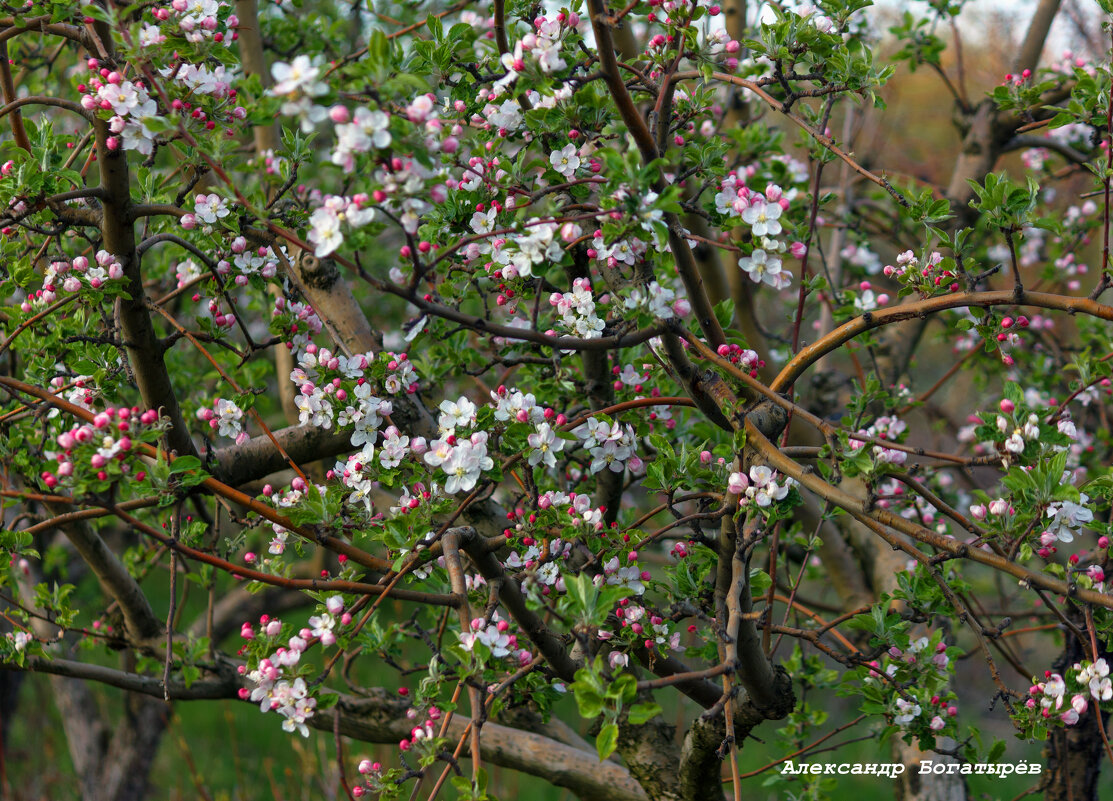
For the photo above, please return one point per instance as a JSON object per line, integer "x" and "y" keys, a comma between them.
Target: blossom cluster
{"x": 542, "y": 575}
{"x": 135, "y": 119}
{"x": 226, "y": 418}
{"x": 762, "y": 213}
{"x": 496, "y": 637}
{"x": 1090, "y": 681}
{"x": 764, "y": 486}
{"x": 658, "y": 300}
{"x": 197, "y": 21}
{"x": 611, "y": 445}
{"x": 461, "y": 459}
{"x": 577, "y": 310}
{"x": 516, "y": 255}
{"x": 132, "y": 108}
{"x": 278, "y": 688}
{"x": 745, "y": 358}
{"x": 542, "y": 47}
{"x": 926, "y": 659}
{"x": 297, "y": 321}
{"x": 74, "y": 275}
{"x": 580, "y": 508}
{"x": 883, "y": 428}
{"x": 298, "y": 84}
{"x": 19, "y": 640}
{"x": 101, "y": 449}
{"x": 647, "y": 628}
{"x": 348, "y": 397}
{"x": 926, "y": 275}
{"x": 326, "y": 222}
{"x": 362, "y": 132}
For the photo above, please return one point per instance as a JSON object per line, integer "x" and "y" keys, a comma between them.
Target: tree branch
{"x": 1028, "y": 56}
{"x": 910, "y": 311}
{"x": 380, "y": 718}
{"x": 139, "y": 617}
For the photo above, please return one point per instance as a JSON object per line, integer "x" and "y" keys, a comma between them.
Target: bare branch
{"x": 1028, "y": 56}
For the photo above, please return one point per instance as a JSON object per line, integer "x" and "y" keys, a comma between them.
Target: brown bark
{"x": 113, "y": 575}
{"x": 911, "y": 786}
{"x": 649, "y": 752}
{"x": 112, "y": 760}
{"x": 377, "y": 717}
{"x": 1074, "y": 757}
{"x": 701, "y": 770}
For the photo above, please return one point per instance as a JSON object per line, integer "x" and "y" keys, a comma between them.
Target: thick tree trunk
{"x": 110, "y": 765}
{"x": 911, "y": 786}
{"x": 112, "y": 761}
{"x": 1074, "y": 758}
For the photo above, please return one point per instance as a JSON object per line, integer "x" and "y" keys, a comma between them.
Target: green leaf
{"x": 640, "y": 713}
{"x": 582, "y": 592}
{"x": 997, "y": 751}
{"x": 607, "y": 741}
{"x": 184, "y": 464}
{"x": 623, "y": 689}
{"x": 433, "y": 23}
{"x": 22, "y": 272}
{"x": 759, "y": 581}
{"x": 588, "y": 699}
{"x": 724, "y": 313}
{"x": 1102, "y": 486}
{"x": 379, "y": 50}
